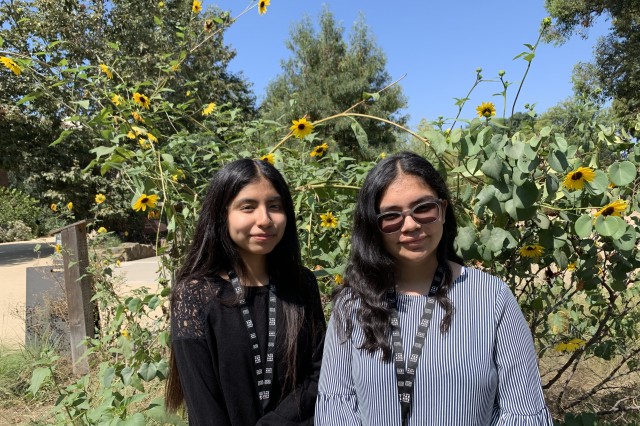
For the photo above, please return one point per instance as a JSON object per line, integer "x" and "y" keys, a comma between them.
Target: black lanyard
{"x": 405, "y": 375}
{"x": 264, "y": 371}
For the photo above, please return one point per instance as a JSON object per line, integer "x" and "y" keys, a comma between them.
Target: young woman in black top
{"x": 246, "y": 320}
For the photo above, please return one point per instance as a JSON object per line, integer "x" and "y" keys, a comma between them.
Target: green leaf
{"x": 360, "y": 134}
{"x": 492, "y": 167}
{"x": 584, "y": 226}
{"x": 525, "y": 195}
{"x": 599, "y": 185}
{"x": 498, "y": 240}
{"x": 28, "y": 98}
{"x": 37, "y": 379}
{"x": 63, "y": 136}
{"x": 147, "y": 371}
{"x": 370, "y": 96}
{"x": 622, "y": 173}
{"x": 102, "y": 150}
{"x": 558, "y": 161}
{"x": 552, "y": 184}
{"x": 609, "y": 225}
{"x": 136, "y": 419}
{"x": 108, "y": 376}
{"x": 627, "y": 241}
{"x": 542, "y": 221}
{"x": 157, "y": 20}
{"x": 83, "y": 104}
{"x": 466, "y": 238}
{"x": 437, "y": 141}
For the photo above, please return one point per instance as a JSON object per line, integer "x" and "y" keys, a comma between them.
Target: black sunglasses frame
{"x": 410, "y": 212}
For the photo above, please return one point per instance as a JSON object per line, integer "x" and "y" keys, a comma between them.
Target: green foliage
{"x": 614, "y": 69}
{"x": 565, "y": 242}
{"x": 326, "y": 76}
{"x": 18, "y": 210}
{"x": 63, "y": 44}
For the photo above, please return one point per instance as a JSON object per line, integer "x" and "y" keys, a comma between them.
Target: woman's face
{"x": 414, "y": 244}
{"x": 257, "y": 219}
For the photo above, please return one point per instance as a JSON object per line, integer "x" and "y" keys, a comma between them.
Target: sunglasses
{"x": 423, "y": 213}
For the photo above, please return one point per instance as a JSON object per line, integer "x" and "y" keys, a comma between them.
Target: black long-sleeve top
{"x": 215, "y": 360}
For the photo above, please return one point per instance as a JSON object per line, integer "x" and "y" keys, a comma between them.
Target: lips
{"x": 263, "y": 237}
{"x": 412, "y": 242}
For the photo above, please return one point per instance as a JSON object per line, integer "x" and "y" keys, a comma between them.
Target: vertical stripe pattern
{"x": 482, "y": 372}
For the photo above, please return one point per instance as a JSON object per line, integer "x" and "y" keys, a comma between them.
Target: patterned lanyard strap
{"x": 405, "y": 375}
{"x": 264, "y": 371}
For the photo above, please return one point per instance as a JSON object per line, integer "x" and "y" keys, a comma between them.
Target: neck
{"x": 257, "y": 274}
{"x": 416, "y": 279}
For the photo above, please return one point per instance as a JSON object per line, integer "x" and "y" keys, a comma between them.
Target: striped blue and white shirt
{"x": 482, "y": 372}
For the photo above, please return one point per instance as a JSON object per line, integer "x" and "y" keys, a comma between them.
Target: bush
{"x": 15, "y": 206}
{"x": 15, "y": 231}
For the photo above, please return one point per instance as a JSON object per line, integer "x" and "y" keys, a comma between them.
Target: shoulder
{"x": 190, "y": 302}
{"x": 476, "y": 279}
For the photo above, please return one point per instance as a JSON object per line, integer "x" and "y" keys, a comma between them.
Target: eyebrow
{"x": 254, "y": 201}
{"x": 396, "y": 208}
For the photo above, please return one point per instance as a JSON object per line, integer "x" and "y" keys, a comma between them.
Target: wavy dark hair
{"x": 371, "y": 269}
{"x": 213, "y": 251}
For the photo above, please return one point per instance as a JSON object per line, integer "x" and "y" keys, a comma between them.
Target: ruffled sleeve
{"x": 337, "y": 403}
{"x": 519, "y": 399}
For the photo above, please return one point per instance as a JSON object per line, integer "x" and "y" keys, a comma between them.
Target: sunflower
{"x": 269, "y": 158}
{"x": 105, "y": 69}
{"x": 125, "y": 334}
{"x": 196, "y": 6}
{"x": 612, "y": 209}
{"x": 58, "y": 248}
{"x": 152, "y": 138}
{"x": 116, "y": 100}
{"x": 570, "y": 346}
{"x": 131, "y": 135}
{"x": 144, "y": 143}
{"x": 153, "y": 215}
{"x": 145, "y": 201}
{"x": 338, "y": 279}
{"x": 301, "y": 128}
{"x": 70, "y": 205}
{"x": 208, "y": 25}
{"x": 262, "y": 6}
{"x": 319, "y": 150}
{"x": 486, "y": 109}
{"x": 577, "y": 178}
{"x": 531, "y": 250}
{"x": 53, "y": 207}
{"x": 328, "y": 220}
{"x": 383, "y": 155}
{"x": 209, "y": 109}
{"x": 8, "y": 62}
{"x": 137, "y": 117}
{"x": 100, "y": 198}
{"x": 141, "y": 100}
{"x": 102, "y": 230}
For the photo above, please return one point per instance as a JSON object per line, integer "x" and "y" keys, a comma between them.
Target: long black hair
{"x": 213, "y": 252}
{"x": 371, "y": 269}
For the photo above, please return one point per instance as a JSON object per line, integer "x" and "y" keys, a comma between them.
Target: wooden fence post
{"x": 79, "y": 291}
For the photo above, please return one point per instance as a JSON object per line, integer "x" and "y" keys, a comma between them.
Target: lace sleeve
{"x": 189, "y": 307}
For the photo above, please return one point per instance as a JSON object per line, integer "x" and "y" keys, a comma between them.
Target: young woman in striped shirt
{"x": 416, "y": 338}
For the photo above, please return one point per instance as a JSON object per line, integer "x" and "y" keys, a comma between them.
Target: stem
{"x": 535, "y": 46}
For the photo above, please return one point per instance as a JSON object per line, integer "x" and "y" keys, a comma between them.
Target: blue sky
{"x": 438, "y": 45}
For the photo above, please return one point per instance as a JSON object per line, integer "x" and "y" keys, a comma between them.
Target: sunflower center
{"x": 530, "y": 248}
{"x": 145, "y": 200}
{"x": 301, "y": 126}
{"x": 261, "y": 4}
{"x": 576, "y": 176}
{"x": 608, "y": 211}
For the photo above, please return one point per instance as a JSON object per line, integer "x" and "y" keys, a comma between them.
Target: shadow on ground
{"x": 22, "y": 252}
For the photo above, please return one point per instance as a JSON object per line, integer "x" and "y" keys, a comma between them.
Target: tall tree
{"x": 147, "y": 46}
{"x": 326, "y": 75}
{"x": 616, "y": 67}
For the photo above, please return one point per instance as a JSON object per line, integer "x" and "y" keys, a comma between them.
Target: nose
{"x": 264, "y": 217}
{"x": 409, "y": 224}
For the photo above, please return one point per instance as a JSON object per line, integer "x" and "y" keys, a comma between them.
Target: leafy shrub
{"x": 15, "y": 206}
{"x": 15, "y": 231}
